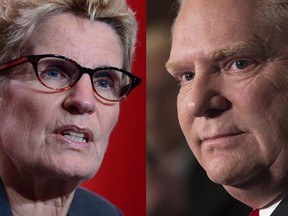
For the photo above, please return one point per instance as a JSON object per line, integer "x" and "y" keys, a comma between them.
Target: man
{"x": 168, "y": 156}
{"x": 230, "y": 58}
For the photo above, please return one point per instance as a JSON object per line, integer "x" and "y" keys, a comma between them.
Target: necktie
{"x": 255, "y": 212}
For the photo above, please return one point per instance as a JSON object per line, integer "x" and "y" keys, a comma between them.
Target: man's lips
{"x": 223, "y": 140}
{"x": 220, "y": 136}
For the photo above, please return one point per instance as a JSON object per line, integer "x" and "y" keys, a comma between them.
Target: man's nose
{"x": 205, "y": 97}
{"x": 81, "y": 98}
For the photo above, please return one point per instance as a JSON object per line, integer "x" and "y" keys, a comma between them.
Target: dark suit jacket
{"x": 85, "y": 203}
{"x": 282, "y": 208}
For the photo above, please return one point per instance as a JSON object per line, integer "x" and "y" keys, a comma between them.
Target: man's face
{"x": 232, "y": 104}
{"x": 39, "y": 128}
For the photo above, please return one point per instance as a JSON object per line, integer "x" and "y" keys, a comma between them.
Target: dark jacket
{"x": 282, "y": 208}
{"x": 84, "y": 203}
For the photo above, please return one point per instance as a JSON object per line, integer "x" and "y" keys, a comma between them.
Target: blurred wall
{"x": 121, "y": 179}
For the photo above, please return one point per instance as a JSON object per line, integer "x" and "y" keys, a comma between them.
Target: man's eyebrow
{"x": 172, "y": 66}
{"x": 169, "y": 65}
{"x": 240, "y": 48}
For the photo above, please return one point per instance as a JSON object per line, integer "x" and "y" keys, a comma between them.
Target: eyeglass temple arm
{"x": 136, "y": 81}
{"x": 13, "y": 63}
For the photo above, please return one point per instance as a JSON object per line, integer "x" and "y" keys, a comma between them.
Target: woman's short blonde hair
{"x": 19, "y": 19}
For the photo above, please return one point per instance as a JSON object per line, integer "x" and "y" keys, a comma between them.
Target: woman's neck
{"x": 21, "y": 205}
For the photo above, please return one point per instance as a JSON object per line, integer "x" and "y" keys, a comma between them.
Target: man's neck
{"x": 257, "y": 197}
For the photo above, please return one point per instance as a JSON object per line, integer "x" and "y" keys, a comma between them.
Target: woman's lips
{"x": 75, "y": 133}
{"x": 74, "y": 136}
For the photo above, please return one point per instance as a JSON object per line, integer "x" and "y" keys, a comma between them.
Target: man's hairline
{"x": 257, "y": 16}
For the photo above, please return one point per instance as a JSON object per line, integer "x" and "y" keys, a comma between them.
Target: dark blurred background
{"x": 176, "y": 184}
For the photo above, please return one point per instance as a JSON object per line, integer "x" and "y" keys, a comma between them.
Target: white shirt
{"x": 268, "y": 211}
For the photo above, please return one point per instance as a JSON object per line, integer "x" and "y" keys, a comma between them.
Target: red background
{"x": 121, "y": 178}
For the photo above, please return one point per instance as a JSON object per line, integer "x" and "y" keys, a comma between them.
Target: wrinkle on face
{"x": 203, "y": 41}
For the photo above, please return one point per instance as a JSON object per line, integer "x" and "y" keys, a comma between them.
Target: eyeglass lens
{"x": 57, "y": 73}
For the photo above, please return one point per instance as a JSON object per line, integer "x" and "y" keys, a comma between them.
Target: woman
{"x": 63, "y": 72}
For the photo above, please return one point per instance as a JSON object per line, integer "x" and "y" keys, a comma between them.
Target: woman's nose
{"x": 81, "y": 98}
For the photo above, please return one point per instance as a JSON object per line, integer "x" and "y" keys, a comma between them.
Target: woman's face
{"x": 41, "y": 132}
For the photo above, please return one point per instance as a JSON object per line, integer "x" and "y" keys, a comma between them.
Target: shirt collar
{"x": 268, "y": 211}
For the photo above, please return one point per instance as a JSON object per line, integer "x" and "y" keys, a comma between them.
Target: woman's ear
{"x": 4, "y": 92}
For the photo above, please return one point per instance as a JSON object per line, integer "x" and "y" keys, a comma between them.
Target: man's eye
{"x": 241, "y": 64}
{"x": 188, "y": 76}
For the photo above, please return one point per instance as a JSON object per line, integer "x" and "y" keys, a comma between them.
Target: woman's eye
{"x": 53, "y": 73}
{"x": 103, "y": 84}
{"x": 103, "y": 80}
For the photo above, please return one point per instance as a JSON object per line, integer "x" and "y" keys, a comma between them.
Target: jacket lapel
{"x": 282, "y": 208}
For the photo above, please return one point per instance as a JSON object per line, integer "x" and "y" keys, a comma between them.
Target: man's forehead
{"x": 218, "y": 8}
{"x": 206, "y": 28}
{"x": 210, "y": 16}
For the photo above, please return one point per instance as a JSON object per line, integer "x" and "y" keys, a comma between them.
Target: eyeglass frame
{"x": 34, "y": 59}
